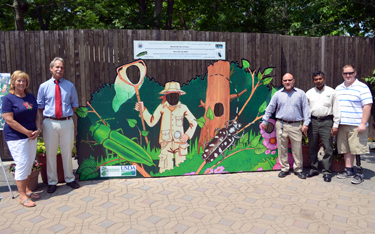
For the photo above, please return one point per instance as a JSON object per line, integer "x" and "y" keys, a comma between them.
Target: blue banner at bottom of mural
{"x": 118, "y": 171}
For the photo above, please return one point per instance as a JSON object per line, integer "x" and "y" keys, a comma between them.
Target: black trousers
{"x": 320, "y": 129}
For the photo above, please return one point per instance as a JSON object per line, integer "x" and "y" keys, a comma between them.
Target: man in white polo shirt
{"x": 325, "y": 119}
{"x": 355, "y": 101}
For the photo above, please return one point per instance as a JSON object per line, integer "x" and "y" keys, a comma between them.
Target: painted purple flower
{"x": 269, "y": 135}
{"x": 290, "y": 161}
{"x": 190, "y": 173}
{"x": 273, "y": 152}
{"x": 260, "y": 169}
{"x": 277, "y": 166}
{"x": 268, "y": 152}
{"x": 219, "y": 170}
{"x": 269, "y": 138}
{"x": 208, "y": 171}
{"x": 270, "y": 143}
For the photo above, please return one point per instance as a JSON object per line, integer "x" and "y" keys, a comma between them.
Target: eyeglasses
{"x": 287, "y": 80}
{"x": 348, "y": 73}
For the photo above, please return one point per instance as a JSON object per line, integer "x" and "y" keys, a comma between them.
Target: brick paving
{"x": 254, "y": 202}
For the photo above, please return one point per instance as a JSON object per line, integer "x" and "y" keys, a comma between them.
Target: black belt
{"x": 63, "y": 118}
{"x": 330, "y": 117}
{"x": 289, "y": 121}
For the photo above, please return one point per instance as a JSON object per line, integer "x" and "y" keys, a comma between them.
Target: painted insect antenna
{"x": 237, "y": 96}
{"x": 227, "y": 123}
{"x": 235, "y": 89}
{"x": 238, "y": 99}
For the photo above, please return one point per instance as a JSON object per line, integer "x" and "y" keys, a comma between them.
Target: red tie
{"x": 58, "y": 107}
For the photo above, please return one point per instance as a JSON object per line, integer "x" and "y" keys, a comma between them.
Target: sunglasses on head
{"x": 348, "y": 73}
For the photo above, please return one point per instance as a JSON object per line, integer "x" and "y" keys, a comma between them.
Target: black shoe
{"x": 327, "y": 178}
{"x": 300, "y": 175}
{"x": 312, "y": 174}
{"x": 73, "y": 185}
{"x": 282, "y": 174}
{"x": 51, "y": 188}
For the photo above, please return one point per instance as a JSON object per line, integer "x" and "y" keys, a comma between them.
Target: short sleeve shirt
{"x": 352, "y": 99}
{"x": 24, "y": 112}
{"x": 46, "y": 97}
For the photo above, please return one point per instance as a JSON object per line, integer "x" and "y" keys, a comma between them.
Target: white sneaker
{"x": 358, "y": 178}
{"x": 345, "y": 174}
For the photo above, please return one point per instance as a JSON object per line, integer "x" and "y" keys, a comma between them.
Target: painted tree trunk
{"x": 217, "y": 99}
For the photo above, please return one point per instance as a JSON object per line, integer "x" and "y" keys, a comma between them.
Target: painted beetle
{"x": 221, "y": 142}
{"x": 120, "y": 144}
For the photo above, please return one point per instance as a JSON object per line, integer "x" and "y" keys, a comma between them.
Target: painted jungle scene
{"x": 208, "y": 126}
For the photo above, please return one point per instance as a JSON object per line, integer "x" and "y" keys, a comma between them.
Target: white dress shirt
{"x": 323, "y": 103}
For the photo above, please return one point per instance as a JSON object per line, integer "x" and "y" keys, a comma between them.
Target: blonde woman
{"x": 22, "y": 127}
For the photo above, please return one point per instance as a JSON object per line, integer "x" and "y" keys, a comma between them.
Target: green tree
{"x": 290, "y": 17}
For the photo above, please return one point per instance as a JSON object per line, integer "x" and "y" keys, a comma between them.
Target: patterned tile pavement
{"x": 255, "y": 202}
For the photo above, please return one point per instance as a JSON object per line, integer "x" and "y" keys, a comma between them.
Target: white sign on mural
{"x": 118, "y": 171}
{"x": 182, "y": 50}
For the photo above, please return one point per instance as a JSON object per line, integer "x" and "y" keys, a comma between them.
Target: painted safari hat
{"x": 172, "y": 87}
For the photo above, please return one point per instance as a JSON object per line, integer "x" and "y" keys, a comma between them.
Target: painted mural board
{"x": 4, "y": 90}
{"x": 177, "y": 50}
{"x": 210, "y": 125}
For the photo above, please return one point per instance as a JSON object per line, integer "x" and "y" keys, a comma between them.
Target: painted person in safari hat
{"x": 173, "y": 139}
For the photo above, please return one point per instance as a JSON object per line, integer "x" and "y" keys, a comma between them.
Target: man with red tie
{"x": 58, "y": 100}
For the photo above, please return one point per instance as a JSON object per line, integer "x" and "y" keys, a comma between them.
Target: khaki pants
{"x": 293, "y": 133}
{"x": 59, "y": 132}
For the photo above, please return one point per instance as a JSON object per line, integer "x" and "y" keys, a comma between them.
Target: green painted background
{"x": 249, "y": 154}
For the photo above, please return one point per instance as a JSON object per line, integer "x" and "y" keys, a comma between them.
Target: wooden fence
{"x": 91, "y": 57}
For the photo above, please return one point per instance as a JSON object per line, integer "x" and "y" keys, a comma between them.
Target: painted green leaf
{"x": 88, "y": 163}
{"x": 266, "y": 81}
{"x": 127, "y": 149}
{"x": 245, "y": 138}
{"x": 87, "y": 169}
{"x": 263, "y": 107}
{"x": 255, "y": 141}
{"x": 89, "y": 175}
{"x": 245, "y": 64}
{"x": 201, "y": 121}
{"x": 145, "y": 133}
{"x": 210, "y": 114}
{"x": 260, "y": 76}
{"x": 82, "y": 112}
{"x": 132, "y": 122}
{"x": 268, "y": 71}
{"x": 260, "y": 149}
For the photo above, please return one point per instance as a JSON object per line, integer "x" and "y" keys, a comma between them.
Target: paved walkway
{"x": 255, "y": 202}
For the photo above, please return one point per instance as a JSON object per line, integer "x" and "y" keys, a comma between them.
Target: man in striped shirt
{"x": 291, "y": 108}
{"x": 355, "y": 102}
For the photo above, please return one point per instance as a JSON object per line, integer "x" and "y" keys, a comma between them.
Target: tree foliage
{"x": 289, "y": 17}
